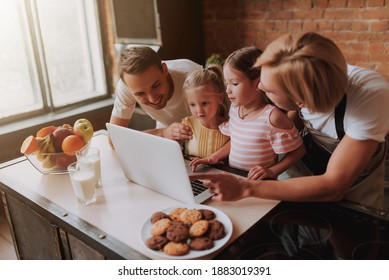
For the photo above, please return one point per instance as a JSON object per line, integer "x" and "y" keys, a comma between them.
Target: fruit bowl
{"x": 53, "y": 148}
{"x": 51, "y": 163}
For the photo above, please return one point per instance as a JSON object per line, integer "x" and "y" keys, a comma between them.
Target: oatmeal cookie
{"x": 176, "y": 249}
{"x": 160, "y": 227}
{"x": 198, "y": 228}
{"x": 190, "y": 216}
{"x": 176, "y": 213}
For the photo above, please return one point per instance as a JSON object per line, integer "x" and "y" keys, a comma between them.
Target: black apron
{"x": 316, "y": 157}
{"x": 369, "y": 186}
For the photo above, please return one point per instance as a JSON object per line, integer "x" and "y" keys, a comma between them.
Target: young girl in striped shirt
{"x": 264, "y": 141}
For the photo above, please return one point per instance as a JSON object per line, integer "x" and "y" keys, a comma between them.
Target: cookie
{"x": 216, "y": 230}
{"x": 176, "y": 213}
{"x": 160, "y": 227}
{"x": 207, "y": 214}
{"x": 156, "y": 242}
{"x": 201, "y": 243}
{"x": 179, "y": 223}
{"x": 198, "y": 228}
{"x": 157, "y": 216}
{"x": 176, "y": 249}
{"x": 190, "y": 216}
{"x": 177, "y": 233}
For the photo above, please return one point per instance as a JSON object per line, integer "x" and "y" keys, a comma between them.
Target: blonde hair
{"x": 138, "y": 59}
{"x": 308, "y": 67}
{"x": 209, "y": 76}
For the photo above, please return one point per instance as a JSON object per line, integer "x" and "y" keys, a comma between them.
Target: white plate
{"x": 145, "y": 233}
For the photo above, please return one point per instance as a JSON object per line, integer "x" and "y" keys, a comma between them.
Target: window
{"x": 50, "y": 56}
{"x": 128, "y": 12}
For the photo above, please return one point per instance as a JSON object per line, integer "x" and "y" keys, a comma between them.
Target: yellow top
{"x": 205, "y": 141}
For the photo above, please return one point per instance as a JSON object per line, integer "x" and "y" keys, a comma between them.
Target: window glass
{"x": 67, "y": 47}
{"x": 19, "y": 90}
{"x": 51, "y": 55}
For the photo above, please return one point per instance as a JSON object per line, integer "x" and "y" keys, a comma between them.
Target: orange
{"x": 43, "y": 132}
{"x": 29, "y": 145}
{"x": 71, "y": 144}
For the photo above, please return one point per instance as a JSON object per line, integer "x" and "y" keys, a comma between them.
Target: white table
{"x": 122, "y": 207}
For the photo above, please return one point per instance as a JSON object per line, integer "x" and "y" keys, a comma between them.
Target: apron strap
{"x": 339, "y": 116}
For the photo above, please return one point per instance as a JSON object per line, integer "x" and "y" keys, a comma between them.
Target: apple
{"x": 84, "y": 129}
{"x": 59, "y": 135}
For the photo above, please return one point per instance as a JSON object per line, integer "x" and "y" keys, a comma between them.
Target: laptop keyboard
{"x": 197, "y": 187}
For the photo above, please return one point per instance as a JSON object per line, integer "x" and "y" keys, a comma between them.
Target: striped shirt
{"x": 255, "y": 141}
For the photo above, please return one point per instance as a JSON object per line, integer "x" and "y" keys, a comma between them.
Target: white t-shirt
{"x": 367, "y": 110}
{"x": 366, "y": 117}
{"x": 175, "y": 109}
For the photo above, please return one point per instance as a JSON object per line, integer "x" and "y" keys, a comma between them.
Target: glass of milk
{"x": 83, "y": 181}
{"x": 91, "y": 155}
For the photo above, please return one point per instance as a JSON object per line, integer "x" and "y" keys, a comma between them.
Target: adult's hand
{"x": 224, "y": 186}
{"x": 177, "y": 131}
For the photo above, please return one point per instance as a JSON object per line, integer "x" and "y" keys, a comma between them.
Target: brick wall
{"x": 359, "y": 27}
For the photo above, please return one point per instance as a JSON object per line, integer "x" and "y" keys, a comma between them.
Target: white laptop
{"x": 156, "y": 163}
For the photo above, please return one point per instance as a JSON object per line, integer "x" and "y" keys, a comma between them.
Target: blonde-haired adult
{"x": 307, "y": 73}
{"x": 309, "y": 68}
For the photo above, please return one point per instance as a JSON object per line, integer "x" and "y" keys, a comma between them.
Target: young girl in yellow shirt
{"x": 208, "y": 103}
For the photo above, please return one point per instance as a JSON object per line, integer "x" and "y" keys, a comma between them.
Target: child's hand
{"x": 197, "y": 161}
{"x": 177, "y": 131}
{"x": 260, "y": 173}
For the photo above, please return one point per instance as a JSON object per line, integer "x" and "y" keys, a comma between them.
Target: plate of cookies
{"x": 186, "y": 231}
